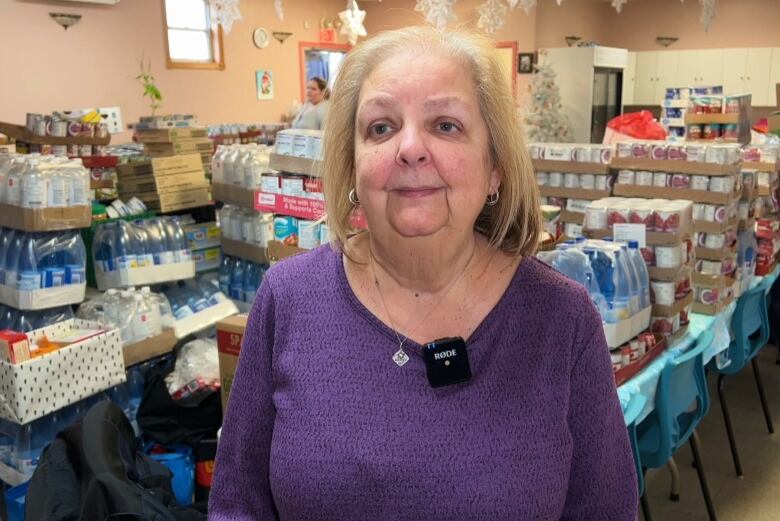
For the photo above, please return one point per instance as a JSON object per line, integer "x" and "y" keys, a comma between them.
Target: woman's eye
{"x": 380, "y": 129}
{"x": 448, "y": 127}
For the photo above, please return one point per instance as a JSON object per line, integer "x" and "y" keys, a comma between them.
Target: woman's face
{"x": 313, "y": 92}
{"x": 421, "y": 147}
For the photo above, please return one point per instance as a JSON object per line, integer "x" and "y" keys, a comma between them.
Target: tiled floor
{"x": 756, "y": 497}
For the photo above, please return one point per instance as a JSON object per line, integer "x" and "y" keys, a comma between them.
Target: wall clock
{"x": 260, "y": 37}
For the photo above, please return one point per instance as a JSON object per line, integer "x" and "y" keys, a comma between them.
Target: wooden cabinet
{"x": 644, "y": 87}
{"x": 710, "y": 67}
{"x": 774, "y": 78}
{"x": 748, "y": 71}
{"x": 629, "y": 80}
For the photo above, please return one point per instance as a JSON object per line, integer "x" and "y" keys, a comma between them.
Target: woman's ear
{"x": 495, "y": 180}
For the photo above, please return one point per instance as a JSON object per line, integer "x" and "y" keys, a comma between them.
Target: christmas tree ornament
{"x": 492, "y": 16}
{"x": 437, "y": 12}
{"x": 225, "y": 13}
{"x": 618, "y": 4}
{"x": 352, "y": 22}
{"x": 543, "y": 119}
{"x": 279, "y": 8}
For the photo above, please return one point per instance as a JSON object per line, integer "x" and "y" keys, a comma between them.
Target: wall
{"x": 520, "y": 28}
{"x": 588, "y": 19}
{"x": 94, "y": 63}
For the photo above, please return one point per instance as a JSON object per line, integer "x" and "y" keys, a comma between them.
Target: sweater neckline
{"x": 410, "y": 346}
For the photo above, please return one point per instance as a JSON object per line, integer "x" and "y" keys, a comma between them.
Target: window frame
{"x": 215, "y": 39}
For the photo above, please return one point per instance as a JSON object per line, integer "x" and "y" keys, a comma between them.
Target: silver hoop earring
{"x": 353, "y": 198}
{"x": 492, "y": 199}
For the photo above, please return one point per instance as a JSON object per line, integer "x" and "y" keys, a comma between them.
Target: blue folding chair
{"x": 634, "y": 408}
{"x": 681, "y": 402}
{"x": 750, "y": 325}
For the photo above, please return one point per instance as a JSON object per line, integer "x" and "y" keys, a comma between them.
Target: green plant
{"x": 150, "y": 89}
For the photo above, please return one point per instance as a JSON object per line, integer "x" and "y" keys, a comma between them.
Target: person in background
{"x": 428, "y": 367}
{"x": 314, "y": 112}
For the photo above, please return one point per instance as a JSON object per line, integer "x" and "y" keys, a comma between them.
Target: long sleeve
{"x": 241, "y": 489}
{"x": 602, "y": 480}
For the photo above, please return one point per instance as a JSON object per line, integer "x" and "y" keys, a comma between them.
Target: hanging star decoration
{"x": 618, "y": 4}
{"x": 492, "y": 16}
{"x": 352, "y": 22}
{"x": 279, "y": 8}
{"x": 225, "y": 13}
{"x": 437, "y": 12}
{"x": 527, "y": 5}
{"x": 707, "y": 13}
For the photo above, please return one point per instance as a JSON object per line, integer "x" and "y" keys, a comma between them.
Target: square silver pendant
{"x": 400, "y": 358}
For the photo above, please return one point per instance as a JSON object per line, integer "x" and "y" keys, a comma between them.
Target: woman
{"x": 343, "y": 406}
{"x": 312, "y": 115}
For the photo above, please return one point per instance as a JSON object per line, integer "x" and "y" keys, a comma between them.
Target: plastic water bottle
{"x": 13, "y": 186}
{"x": 6, "y": 162}
{"x": 74, "y": 260}
{"x": 34, "y": 192}
{"x": 217, "y": 161}
{"x": 255, "y": 166}
{"x": 746, "y": 258}
{"x": 183, "y": 245}
{"x": 641, "y": 270}
{"x": 225, "y": 271}
{"x": 228, "y": 164}
{"x": 7, "y": 317}
{"x": 135, "y": 394}
{"x": 632, "y": 278}
{"x": 624, "y": 292}
{"x": 12, "y": 259}
{"x": 57, "y": 184}
{"x": 179, "y": 304}
{"x": 211, "y": 292}
{"x": 238, "y": 164}
{"x": 28, "y": 277}
{"x": 225, "y": 221}
{"x": 8, "y": 433}
{"x": 31, "y": 439}
{"x": 156, "y": 244}
{"x": 144, "y": 253}
{"x": 237, "y": 280}
{"x": 125, "y": 247}
{"x": 79, "y": 186}
{"x": 6, "y": 236}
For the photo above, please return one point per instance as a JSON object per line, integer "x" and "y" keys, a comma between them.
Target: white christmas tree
{"x": 544, "y": 121}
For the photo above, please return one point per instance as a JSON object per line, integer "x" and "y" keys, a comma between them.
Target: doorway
{"x": 320, "y": 60}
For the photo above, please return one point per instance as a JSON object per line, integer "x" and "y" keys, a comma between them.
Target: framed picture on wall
{"x": 265, "y": 84}
{"x": 525, "y": 62}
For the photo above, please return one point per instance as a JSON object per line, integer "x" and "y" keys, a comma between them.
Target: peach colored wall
{"x": 520, "y": 28}
{"x": 94, "y": 62}
{"x": 588, "y": 19}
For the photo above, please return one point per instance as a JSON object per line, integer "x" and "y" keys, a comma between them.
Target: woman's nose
{"x": 412, "y": 150}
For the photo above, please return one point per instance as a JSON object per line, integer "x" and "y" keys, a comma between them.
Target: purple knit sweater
{"x": 322, "y": 425}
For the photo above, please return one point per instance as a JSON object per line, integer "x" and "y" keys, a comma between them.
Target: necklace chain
{"x": 400, "y": 357}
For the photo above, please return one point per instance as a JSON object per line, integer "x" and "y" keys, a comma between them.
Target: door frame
{"x": 317, "y": 46}
{"x": 511, "y": 45}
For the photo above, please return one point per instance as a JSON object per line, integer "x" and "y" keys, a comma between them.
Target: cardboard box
{"x": 712, "y": 227}
{"x": 234, "y": 194}
{"x": 295, "y": 165}
{"x": 712, "y": 281}
{"x": 572, "y": 217}
{"x": 172, "y": 201}
{"x": 570, "y": 167}
{"x": 675, "y": 167}
{"x": 674, "y": 309}
{"x": 150, "y": 348}
{"x": 171, "y": 135}
{"x": 243, "y": 250}
{"x": 697, "y": 196}
{"x": 203, "y": 235}
{"x": 204, "y": 319}
{"x": 277, "y": 251}
{"x": 651, "y": 238}
{"x": 712, "y": 309}
{"x": 162, "y": 184}
{"x": 573, "y": 193}
{"x": 720, "y": 119}
{"x": 715, "y": 254}
{"x": 230, "y": 334}
{"x": 45, "y": 219}
{"x": 620, "y": 333}
{"x": 668, "y": 274}
{"x": 94, "y": 364}
{"x": 207, "y": 259}
{"x": 43, "y": 298}
{"x": 145, "y": 276}
{"x": 188, "y": 146}
{"x": 162, "y": 166}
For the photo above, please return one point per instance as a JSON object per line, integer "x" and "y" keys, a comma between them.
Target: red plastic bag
{"x": 633, "y": 126}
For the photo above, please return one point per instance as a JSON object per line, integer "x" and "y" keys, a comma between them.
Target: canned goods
{"x": 571, "y": 180}
{"x": 658, "y": 151}
{"x": 308, "y": 234}
{"x": 661, "y": 179}
{"x": 286, "y": 230}
{"x": 696, "y": 153}
{"x": 601, "y": 182}
{"x": 676, "y": 153}
{"x": 587, "y": 181}
{"x": 59, "y": 150}
{"x": 73, "y": 150}
{"x": 722, "y": 184}
{"x": 730, "y": 131}
{"x": 555, "y": 179}
{"x": 39, "y": 126}
{"x": 324, "y": 234}
{"x": 542, "y": 178}
{"x": 694, "y": 132}
{"x": 643, "y": 178}
{"x": 85, "y": 150}
{"x": 626, "y": 177}
{"x": 710, "y": 131}
{"x": 668, "y": 256}
{"x": 662, "y": 293}
{"x": 680, "y": 181}
{"x": 624, "y": 150}
{"x": 32, "y": 120}
{"x": 59, "y": 128}
{"x": 700, "y": 182}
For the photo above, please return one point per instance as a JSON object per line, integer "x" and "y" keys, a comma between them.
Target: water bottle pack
{"x": 243, "y": 224}
{"x": 31, "y": 261}
{"x": 24, "y": 321}
{"x": 192, "y": 296}
{"x": 137, "y": 314}
{"x": 36, "y": 181}
{"x": 241, "y": 165}
{"x": 123, "y": 245}
{"x": 240, "y": 279}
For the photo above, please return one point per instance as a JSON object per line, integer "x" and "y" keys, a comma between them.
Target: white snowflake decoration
{"x": 437, "y": 12}
{"x": 225, "y": 13}
{"x": 527, "y": 5}
{"x": 492, "y": 16}
{"x": 279, "y": 8}
{"x": 512, "y": 3}
{"x": 707, "y": 13}
{"x": 618, "y": 4}
{"x": 352, "y": 22}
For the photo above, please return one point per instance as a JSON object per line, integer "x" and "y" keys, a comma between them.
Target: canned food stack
{"x": 245, "y": 133}
{"x": 668, "y": 251}
{"x": 675, "y": 106}
{"x": 719, "y": 118}
{"x": 165, "y": 184}
{"x": 63, "y": 125}
{"x": 768, "y": 245}
{"x": 178, "y": 141}
{"x": 570, "y": 176}
{"x": 709, "y": 175}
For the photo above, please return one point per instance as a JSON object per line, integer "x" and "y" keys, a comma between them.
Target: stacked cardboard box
{"x": 178, "y": 141}
{"x": 165, "y": 184}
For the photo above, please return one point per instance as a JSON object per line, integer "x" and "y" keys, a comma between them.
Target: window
{"x": 191, "y": 40}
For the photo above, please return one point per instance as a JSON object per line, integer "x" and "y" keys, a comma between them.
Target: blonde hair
{"x": 514, "y": 223}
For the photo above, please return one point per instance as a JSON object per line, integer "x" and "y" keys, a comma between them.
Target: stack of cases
{"x": 668, "y": 252}
{"x": 675, "y": 105}
{"x": 710, "y": 176}
{"x": 178, "y": 141}
{"x": 570, "y": 176}
{"x": 165, "y": 184}
{"x": 719, "y": 118}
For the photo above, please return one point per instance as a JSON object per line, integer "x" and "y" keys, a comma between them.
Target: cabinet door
{"x": 710, "y": 63}
{"x": 774, "y": 78}
{"x": 665, "y": 73}
{"x": 629, "y": 80}
{"x": 644, "y": 86}
{"x": 757, "y": 74}
{"x": 687, "y": 68}
{"x": 734, "y": 66}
